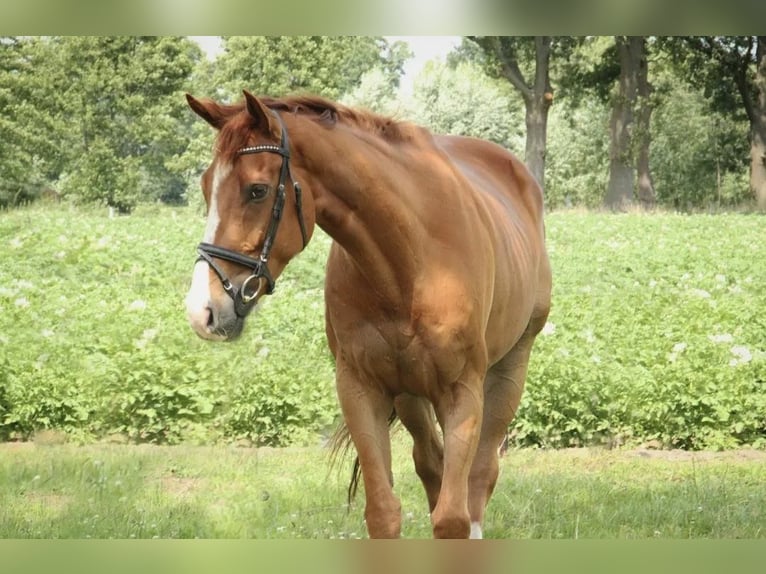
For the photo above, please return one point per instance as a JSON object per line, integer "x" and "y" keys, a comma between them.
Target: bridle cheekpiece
{"x": 246, "y": 295}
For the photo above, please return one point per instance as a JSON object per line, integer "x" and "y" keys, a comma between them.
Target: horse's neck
{"x": 361, "y": 198}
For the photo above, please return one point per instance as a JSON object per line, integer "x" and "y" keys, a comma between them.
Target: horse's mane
{"x": 234, "y": 134}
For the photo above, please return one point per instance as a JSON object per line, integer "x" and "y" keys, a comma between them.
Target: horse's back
{"x": 496, "y": 172}
{"x": 514, "y": 202}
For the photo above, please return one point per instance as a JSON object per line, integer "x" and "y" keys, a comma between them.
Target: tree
{"x": 577, "y": 162}
{"x": 731, "y": 71}
{"x": 757, "y": 116}
{"x": 99, "y": 117}
{"x": 31, "y": 138}
{"x": 741, "y": 61}
{"x": 463, "y": 100}
{"x": 325, "y": 65}
{"x": 122, "y": 97}
{"x": 615, "y": 70}
{"x": 697, "y": 153}
{"x": 506, "y": 57}
{"x": 629, "y": 126}
{"x": 374, "y": 92}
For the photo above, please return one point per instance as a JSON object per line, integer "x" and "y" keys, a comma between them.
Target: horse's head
{"x": 255, "y": 218}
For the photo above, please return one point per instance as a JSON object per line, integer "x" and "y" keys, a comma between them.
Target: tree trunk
{"x": 537, "y": 102}
{"x": 619, "y": 191}
{"x": 645, "y": 183}
{"x": 758, "y": 129}
{"x": 537, "y": 94}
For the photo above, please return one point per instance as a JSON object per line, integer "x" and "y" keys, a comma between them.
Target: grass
{"x": 122, "y": 491}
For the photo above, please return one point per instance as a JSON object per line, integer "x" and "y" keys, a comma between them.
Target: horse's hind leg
{"x": 503, "y": 387}
{"x": 427, "y": 451}
{"x": 366, "y": 410}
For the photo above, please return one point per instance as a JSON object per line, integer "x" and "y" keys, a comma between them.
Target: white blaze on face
{"x": 198, "y": 298}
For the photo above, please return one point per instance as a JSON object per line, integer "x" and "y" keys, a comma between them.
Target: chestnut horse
{"x": 437, "y": 281}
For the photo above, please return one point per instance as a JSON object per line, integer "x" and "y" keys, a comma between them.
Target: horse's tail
{"x": 340, "y": 444}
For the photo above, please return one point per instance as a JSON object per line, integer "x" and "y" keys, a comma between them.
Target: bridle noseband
{"x": 245, "y": 295}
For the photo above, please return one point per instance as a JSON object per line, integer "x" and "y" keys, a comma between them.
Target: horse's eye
{"x": 257, "y": 192}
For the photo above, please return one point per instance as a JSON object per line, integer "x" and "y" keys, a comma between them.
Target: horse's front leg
{"x": 366, "y": 409}
{"x": 459, "y": 411}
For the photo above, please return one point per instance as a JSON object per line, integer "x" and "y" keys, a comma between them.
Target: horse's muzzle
{"x": 216, "y": 323}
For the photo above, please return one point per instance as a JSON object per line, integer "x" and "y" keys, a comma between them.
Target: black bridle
{"x": 245, "y": 296}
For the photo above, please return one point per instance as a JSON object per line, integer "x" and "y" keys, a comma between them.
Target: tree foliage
{"x": 29, "y": 136}
{"x": 464, "y": 101}
{"x": 124, "y": 97}
{"x": 731, "y": 71}
{"x": 103, "y": 119}
{"x": 99, "y": 117}
{"x": 324, "y": 65}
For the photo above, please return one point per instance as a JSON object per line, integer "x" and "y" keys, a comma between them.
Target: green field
{"x": 123, "y": 491}
{"x": 655, "y": 340}
{"x": 656, "y": 336}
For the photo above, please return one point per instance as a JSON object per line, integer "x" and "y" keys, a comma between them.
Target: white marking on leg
{"x": 476, "y": 531}
{"x": 198, "y": 297}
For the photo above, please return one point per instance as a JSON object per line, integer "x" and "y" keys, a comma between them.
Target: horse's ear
{"x": 262, "y": 117}
{"x": 208, "y": 110}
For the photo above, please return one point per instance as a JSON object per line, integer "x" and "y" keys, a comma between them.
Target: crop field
{"x": 656, "y": 341}
{"x": 656, "y": 336}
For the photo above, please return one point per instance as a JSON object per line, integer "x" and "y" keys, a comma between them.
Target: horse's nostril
{"x": 210, "y": 319}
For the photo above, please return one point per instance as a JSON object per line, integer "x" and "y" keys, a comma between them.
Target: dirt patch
{"x": 179, "y": 486}
{"x": 742, "y": 455}
{"x": 16, "y": 446}
{"x": 51, "y": 502}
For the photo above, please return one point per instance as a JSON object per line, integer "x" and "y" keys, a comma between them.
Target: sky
{"x": 425, "y": 48}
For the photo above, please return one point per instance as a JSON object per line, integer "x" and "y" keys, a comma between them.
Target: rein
{"x": 245, "y": 296}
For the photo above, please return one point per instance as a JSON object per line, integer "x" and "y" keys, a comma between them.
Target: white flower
{"x": 137, "y": 305}
{"x": 700, "y": 293}
{"x": 46, "y": 333}
{"x": 720, "y": 278}
{"x": 678, "y": 348}
{"x": 22, "y": 302}
{"x": 742, "y": 355}
{"x": 722, "y": 338}
{"x": 16, "y": 243}
{"x": 149, "y": 334}
{"x": 548, "y": 329}
{"x": 652, "y": 284}
{"x": 589, "y": 336}
{"x": 146, "y": 337}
